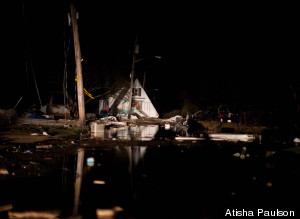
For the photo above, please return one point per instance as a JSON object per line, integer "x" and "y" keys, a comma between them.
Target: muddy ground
{"x": 26, "y": 133}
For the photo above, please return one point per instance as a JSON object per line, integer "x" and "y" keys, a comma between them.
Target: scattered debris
{"x": 4, "y": 172}
{"x": 108, "y": 213}
{"x": 90, "y": 161}
{"x": 99, "y": 182}
{"x": 90, "y": 116}
{"x": 36, "y": 116}
{"x": 6, "y": 207}
{"x": 47, "y": 122}
{"x": 237, "y": 154}
{"x": 27, "y": 152}
{"x": 296, "y": 140}
{"x": 176, "y": 118}
{"x": 7, "y": 117}
{"x": 269, "y": 184}
{"x": 270, "y": 153}
{"x": 231, "y": 137}
{"x": 181, "y": 138}
{"x": 56, "y": 110}
{"x": 35, "y": 214}
{"x": 43, "y": 146}
{"x": 241, "y": 155}
{"x": 167, "y": 126}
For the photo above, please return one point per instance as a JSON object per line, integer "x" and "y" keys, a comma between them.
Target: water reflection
{"x": 78, "y": 180}
{"x": 195, "y": 181}
{"x": 139, "y": 132}
{"x": 180, "y": 182}
{"x": 106, "y": 184}
{"x": 43, "y": 188}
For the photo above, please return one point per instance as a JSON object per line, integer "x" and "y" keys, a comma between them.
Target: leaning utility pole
{"x": 131, "y": 78}
{"x": 79, "y": 80}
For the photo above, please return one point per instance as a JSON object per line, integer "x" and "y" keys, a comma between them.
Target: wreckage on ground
{"x": 7, "y": 117}
{"x": 118, "y": 104}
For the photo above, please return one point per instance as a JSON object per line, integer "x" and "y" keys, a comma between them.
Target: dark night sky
{"x": 210, "y": 54}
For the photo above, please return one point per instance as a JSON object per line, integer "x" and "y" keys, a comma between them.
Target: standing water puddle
{"x": 196, "y": 181}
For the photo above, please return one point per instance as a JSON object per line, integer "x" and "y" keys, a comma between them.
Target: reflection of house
{"x": 119, "y": 103}
{"x": 142, "y": 133}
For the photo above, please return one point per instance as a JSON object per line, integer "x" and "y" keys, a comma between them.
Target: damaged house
{"x": 118, "y": 104}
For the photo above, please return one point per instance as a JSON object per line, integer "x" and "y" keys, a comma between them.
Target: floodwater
{"x": 141, "y": 133}
{"x": 200, "y": 179}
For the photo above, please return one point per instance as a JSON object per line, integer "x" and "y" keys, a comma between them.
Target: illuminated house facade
{"x": 119, "y": 103}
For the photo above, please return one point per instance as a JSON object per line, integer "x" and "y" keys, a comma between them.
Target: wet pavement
{"x": 157, "y": 178}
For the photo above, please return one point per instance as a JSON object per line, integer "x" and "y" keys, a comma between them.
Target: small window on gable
{"x": 136, "y": 92}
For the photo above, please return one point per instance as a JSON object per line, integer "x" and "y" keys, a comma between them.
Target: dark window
{"x": 136, "y": 92}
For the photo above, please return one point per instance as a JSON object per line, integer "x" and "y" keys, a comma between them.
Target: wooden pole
{"x": 79, "y": 79}
{"x": 79, "y": 171}
{"x": 132, "y": 78}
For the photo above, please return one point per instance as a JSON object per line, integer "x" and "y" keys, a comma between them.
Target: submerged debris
{"x": 241, "y": 155}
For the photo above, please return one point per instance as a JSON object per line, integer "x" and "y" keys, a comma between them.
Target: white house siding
{"x": 146, "y": 104}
